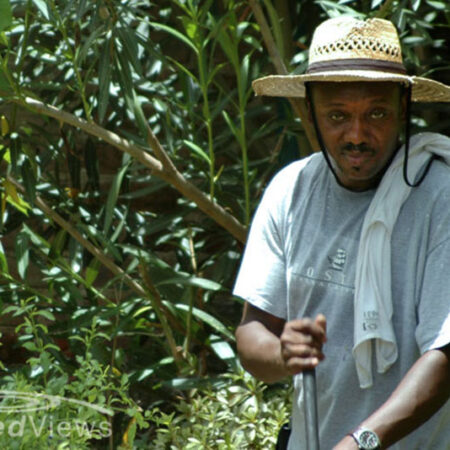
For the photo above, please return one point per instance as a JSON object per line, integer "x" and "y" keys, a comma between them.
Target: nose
{"x": 356, "y": 131}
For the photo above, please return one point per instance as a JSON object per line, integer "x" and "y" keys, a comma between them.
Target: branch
{"x": 298, "y": 105}
{"x": 107, "y": 262}
{"x": 385, "y": 9}
{"x": 163, "y": 314}
{"x": 162, "y": 168}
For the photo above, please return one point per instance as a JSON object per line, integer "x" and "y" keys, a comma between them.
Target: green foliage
{"x": 119, "y": 287}
{"x": 242, "y": 414}
{"x": 56, "y": 413}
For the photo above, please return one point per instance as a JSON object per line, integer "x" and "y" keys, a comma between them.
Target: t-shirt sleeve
{"x": 262, "y": 276}
{"x": 433, "y": 329}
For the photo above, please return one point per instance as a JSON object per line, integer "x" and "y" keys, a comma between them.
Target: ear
{"x": 308, "y": 102}
{"x": 403, "y": 102}
{"x": 308, "y": 105}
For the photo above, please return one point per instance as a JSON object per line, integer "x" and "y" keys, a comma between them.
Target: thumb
{"x": 321, "y": 320}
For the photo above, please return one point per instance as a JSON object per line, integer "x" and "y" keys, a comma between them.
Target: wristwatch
{"x": 366, "y": 439}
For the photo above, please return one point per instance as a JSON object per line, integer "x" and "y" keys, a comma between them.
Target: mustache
{"x": 356, "y": 147}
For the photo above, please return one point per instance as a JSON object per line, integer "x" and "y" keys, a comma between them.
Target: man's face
{"x": 360, "y": 125}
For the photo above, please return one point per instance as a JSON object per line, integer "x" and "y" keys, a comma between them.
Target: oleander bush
{"x": 133, "y": 155}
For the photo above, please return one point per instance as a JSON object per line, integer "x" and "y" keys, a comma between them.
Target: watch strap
{"x": 357, "y": 437}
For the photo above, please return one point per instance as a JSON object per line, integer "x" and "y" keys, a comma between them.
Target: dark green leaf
{"x": 104, "y": 79}
{"x": 5, "y": 15}
{"x": 176, "y": 34}
{"x": 29, "y": 180}
{"x": 208, "y": 319}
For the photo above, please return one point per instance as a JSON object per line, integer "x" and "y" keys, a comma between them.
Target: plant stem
{"x": 208, "y": 121}
{"x": 298, "y": 105}
{"x": 384, "y": 9}
{"x": 157, "y": 303}
{"x": 167, "y": 172}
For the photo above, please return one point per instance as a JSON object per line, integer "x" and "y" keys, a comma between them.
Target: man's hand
{"x": 271, "y": 348}
{"x": 301, "y": 343}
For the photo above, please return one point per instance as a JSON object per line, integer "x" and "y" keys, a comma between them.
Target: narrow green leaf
{"x": 3, "y": 261}
{"x": 130, "y": 47}
{"x": 195, "y": 383}
{"x": 5, "y": 14}
{"x": 29, "y": 180}
{"x": 243, "y": 76}
{"x": 22, "y": 251}
{"x": 208, "y": 319}
{"x": 82, "y": 52}
{"x": 5, "y": 87}
{"x": 236, "y": 132}
{"x": 58, "y": 244}
{"x": 92, "y": 271}
{"x": 41, "y": 5}
{"x": 15, "y": 150}
{"x": 104, "y": 80}
{"x": 176, "y": 34}
{"x": 131, "y": 98}
{"x": 35, "y": 238}
{"x": 192, "y": 281}
{"x": 442, "y": 6}
{"x": 183, "y": 69}
{"x": 112, "y": 198}
{"x": 47, "y": 314}
{"x": 30, "y": 345}
{"x": 197, "y": 150}
{"x": 224, "y": 351}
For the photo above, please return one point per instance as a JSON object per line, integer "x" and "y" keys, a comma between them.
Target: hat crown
{"x": 346, "y": 38}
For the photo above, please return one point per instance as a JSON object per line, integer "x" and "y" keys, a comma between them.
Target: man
{"x": 346, "y": 266}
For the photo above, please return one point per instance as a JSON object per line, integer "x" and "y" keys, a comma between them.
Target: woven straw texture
{"x": 346, "y": 38}
{"x": 342, "y": 40}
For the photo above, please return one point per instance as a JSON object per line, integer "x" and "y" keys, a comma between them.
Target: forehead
{"x": 349, "y": 92}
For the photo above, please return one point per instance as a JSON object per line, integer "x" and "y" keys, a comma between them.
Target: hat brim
{"x": 423, "y": 89}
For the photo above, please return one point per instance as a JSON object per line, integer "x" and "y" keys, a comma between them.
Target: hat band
{"x": 357, "y": 64}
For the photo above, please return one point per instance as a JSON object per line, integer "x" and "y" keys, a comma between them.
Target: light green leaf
{"x": 41, "y": 5}
{"x": 191, "y": 281}
{"x": 47, "y": 314}
{"x": 22, "y": 251}
{"x": 416, "y": 4}
{"x": 233, "y": 128}
{"x": 442, "y": 6}
{"x": 92, "y": 272}
{"x": 197, "y": 150}
{"x": 112, "y": 198}
{"x": 3, "y": 261}
{"x": 176, "y": 34}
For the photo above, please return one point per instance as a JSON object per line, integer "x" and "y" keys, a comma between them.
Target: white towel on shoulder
{"x": 373, "y": 299}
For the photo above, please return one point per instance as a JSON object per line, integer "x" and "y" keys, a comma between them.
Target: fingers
{"x": 301, "y": 343}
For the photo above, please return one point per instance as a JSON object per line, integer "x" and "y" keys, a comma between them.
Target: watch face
{"x": 368, "y": 440}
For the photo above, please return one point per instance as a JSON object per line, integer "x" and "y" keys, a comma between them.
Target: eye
{"x": 378, "y": 114}
{"x": 336, "y": 116}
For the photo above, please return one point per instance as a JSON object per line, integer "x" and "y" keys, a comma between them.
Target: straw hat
{"x": 348, "y": 49}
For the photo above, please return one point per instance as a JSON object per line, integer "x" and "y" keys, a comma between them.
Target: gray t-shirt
{"x": 300, "y": 261}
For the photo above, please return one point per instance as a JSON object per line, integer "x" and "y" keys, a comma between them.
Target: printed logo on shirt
{"x": 337, "y": 262}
